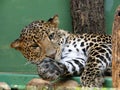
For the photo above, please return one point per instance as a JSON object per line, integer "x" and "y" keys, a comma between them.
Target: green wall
{"x": 15, "y": 14}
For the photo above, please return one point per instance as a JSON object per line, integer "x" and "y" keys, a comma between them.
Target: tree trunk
{"x": 88, "y": 16}
{"x": 116, "y": 50}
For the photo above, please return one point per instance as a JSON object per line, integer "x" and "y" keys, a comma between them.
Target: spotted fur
{"x": 58, "y": 53}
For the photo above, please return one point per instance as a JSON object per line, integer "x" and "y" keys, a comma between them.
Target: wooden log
{"x": 64, "y": 84}
{"x": 116, "y": 49}
{"x": 88, "y": 16}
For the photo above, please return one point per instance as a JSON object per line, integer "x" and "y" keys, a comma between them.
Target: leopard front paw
{"x": 50, "y": 69}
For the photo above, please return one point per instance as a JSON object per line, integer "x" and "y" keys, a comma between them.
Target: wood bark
{"x": 116, "y": 50}
{"x": 88, "y": 16}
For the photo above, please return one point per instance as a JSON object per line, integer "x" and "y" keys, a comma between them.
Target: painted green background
{"x": 15, "y": 14}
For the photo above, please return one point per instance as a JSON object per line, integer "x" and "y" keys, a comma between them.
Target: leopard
{"x": 58, "y": 53}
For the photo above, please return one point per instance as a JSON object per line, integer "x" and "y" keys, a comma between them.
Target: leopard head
{"x": 34, "y": 41}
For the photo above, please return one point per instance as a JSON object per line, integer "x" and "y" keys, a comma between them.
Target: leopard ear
{"x": 16, "y": 44}
{"x": 54, "y": 20}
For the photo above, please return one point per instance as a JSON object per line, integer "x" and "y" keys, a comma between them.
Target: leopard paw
{"x": 50, "y": 69}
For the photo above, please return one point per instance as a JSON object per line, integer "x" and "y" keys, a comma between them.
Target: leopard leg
{"x": 99, "y": 60}
{"x": 92, "y": 76}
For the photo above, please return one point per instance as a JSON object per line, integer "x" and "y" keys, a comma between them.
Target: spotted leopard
{"x": 58, "y": 53}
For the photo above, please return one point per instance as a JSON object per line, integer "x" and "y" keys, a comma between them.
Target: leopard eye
{"x": 51, "y": 36}
{"x": 34, "y": 45}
